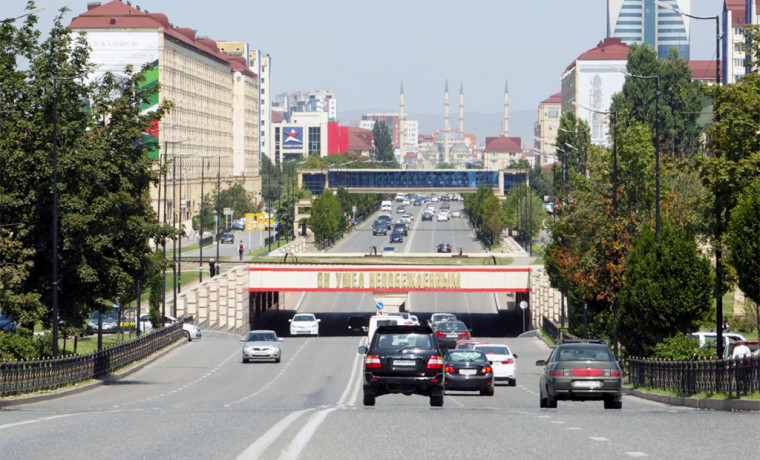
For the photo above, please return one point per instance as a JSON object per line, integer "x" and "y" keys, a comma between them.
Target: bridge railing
{"x": 18, "y": 377}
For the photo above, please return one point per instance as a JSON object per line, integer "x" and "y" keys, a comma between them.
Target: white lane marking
{"x": 636, "y": 454}
{"x": 52, "y": 417}
{"x": 293, "y": 450}
{"x": 300, "y": 301}
{"x": 574, "y": 428}
{"x": 558, "y": 422}
{"x": 598, "y": 438}
{"x": 351, "y": 379}
{"x": 256, "y": 449}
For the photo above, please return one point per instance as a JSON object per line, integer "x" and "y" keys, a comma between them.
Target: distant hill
{"x": 480, "y": 124}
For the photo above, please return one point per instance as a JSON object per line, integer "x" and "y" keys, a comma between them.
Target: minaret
{"x": 401, "y": 118}
{"x": 446, "y": 127}
{"x": 505, "y": 133}
{"x": 461, "y": 108}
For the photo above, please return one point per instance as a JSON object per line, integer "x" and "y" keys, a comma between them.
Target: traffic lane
{"x": 203, "y": 417}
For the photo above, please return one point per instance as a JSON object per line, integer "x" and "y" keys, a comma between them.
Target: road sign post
{"x": 379, "y": 306}
{"x": 523, "y": 307}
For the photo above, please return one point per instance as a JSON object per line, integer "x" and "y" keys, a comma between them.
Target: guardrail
{"x": 733, "y": 376}
{"x": 27, "y": 376}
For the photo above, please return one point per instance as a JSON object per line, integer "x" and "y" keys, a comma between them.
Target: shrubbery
{"x": 24, "y": 345}
{"x": 682, "y": 348}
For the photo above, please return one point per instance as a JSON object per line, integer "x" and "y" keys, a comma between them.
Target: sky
{"x": 362, "y": 50}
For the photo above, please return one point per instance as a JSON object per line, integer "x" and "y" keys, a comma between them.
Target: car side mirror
{"x": 280, "y": 339}
{"x": 319, "y": 320}
{"x": 541, "y": 362}
{"x": 515, "y": 355}
{"x": 242, "y": 339}
{"x": 290, "y": 320}
{"x": 362, "y": 350}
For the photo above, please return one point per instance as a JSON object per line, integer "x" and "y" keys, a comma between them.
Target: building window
{"x": 315, "y": 141}
{"x": 553, "y": 113}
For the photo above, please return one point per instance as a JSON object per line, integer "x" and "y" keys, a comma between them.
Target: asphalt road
{"x": 200, "y": 401}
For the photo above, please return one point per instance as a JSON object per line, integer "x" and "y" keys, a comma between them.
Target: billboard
{"x": 292, "y": 137}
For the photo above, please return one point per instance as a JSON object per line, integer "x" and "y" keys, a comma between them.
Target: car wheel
{"x": 277, "y": 360}
{"x": 542, "y": 402}
{"x": 187, "y": 334}
{"x": 610, "y": 403}
{"x": 512, "y": 382}
{"x": 245, "y": 360}
{"x": 436, "y": 400}
{"x": 551, "y": 402}
{"x": 369, "y": 399}
{"x": 486, "y": 392}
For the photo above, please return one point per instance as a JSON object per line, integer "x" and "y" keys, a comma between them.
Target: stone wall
{"x": 220, "y": 303}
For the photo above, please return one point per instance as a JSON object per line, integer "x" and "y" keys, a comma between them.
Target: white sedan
{"x": 502, "y": 361}
{"x": 304, "y": 324}
{"x": 443, "y": 217}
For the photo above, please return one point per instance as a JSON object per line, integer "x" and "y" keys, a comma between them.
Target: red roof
{"x": 118, "y": 15}
{"x": 555, "y": 98}
{"x": 277, "y": 117}
{"x": 503, "y": 144}
{"x": 609, "y": 49}
{"x": 702, "y": 70}
{"x": 737, "y": 7}
{"x": 359, "y": 139}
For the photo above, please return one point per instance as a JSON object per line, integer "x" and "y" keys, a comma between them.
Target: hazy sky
{"x": 362, "y": 49}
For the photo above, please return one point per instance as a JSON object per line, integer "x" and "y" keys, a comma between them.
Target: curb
{"x": 697, "y": 403}
{"x": 82, "y": 387}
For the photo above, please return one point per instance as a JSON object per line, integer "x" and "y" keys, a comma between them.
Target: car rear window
{"x": 493, "y": 350}
{"x": 467, "y": 356}
{"x": 399, "y": 341}
{"x": 592, "y": 353}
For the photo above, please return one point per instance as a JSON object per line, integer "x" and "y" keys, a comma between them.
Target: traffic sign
{"x": 379, "y": 306}
{"x": 261, "y": 225}
{"x": 524, "y": 305}
{"x": 250, "y": 226}
{"x": 227, "y": 211}
{"x": 250, "y": 217}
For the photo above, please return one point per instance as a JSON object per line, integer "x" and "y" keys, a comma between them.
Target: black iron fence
{"x": 27, "y": 376}
{"x": 555, "y": 331}
{"x": 739, "y": 376}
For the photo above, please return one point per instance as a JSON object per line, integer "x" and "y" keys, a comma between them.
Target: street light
{"x": 24, "y": 14}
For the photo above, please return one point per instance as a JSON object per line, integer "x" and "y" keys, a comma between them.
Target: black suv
{"x": 379, "y": 228}
{"x": 403, "y": 359}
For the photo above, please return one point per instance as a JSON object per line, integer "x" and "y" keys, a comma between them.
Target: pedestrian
{"x": 218, "y": 268}
{"x": 241, "y": 249}
{"x": 726, "y": 328}
{"x": 211, "y": 268}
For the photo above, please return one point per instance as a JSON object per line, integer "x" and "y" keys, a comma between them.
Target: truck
{"x": 386, "y": 206}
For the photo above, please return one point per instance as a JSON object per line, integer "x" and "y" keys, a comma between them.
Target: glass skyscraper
{"x": 644, "y": 21}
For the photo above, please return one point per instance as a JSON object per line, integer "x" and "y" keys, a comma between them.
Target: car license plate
{"x": 467, "y": 371}
{"x": 403, "y": 362}
{"x": 587, "y": 384}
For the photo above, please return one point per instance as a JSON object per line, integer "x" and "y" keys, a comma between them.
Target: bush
{"x": 23, "y": 345}
{"x": 744, "y": 324}
{"x": 681, "y": 348}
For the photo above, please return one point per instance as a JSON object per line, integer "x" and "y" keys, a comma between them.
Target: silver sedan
{"x": 261, "y": 345}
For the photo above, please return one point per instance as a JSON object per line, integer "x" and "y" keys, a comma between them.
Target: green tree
{"x": 573, "y": 142}
{"x": 326, "y": 219}
{"x": 667, "y": 289}
{"x": 744, "y": 245}
{"x": 531, "y": 215}
{"x": 384, "y": 151}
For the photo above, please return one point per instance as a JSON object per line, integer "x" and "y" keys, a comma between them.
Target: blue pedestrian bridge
{"x": 410, "y": 180}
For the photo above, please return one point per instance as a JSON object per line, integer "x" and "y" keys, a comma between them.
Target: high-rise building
{"x": 644, "y": 21}
{"x": 736, "y": 14}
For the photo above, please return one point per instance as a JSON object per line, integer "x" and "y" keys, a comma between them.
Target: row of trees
{"x": 641, "y": 282}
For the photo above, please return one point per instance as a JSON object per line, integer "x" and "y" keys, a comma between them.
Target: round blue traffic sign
{"x": 379, "y": 306}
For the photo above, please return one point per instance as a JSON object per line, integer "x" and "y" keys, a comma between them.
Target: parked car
{"x": 7, "y": 324}
{"x": 190, "y": 330}
{"x": 502, "y": 360}
{"x": 304, "y": 324}
{"x": 397, "y": 237}
{"x": 581, "y": 371}
{"x": 444, "y": 247}
{"x": 709, "y": 339}
{"x": 403, "y": 359}
{"x": 261, "y": 345}
{"x": 468, "y": 370}
{"x": 227, "y": 237}
{"x": 110, "y": 321}
{"x": 238, "y": 224}
{"x": 449, "y": 332}
{"x": 743, "y": 348}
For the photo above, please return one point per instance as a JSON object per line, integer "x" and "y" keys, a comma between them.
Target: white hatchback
{"x": 502, "y": 361}
{"x": 443, "y": 216}
{"x": 304, "y": 324}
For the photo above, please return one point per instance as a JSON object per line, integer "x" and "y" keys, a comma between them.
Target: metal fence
{"x": 28, "y": 376}
{"x": 733, "y": 376}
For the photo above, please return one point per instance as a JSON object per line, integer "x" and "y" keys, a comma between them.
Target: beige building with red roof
{"x": 545, "y": 129}
{"x": 501, "y": 151}
{"x": 589, "y": 82}
{"x": 215, "y": 118}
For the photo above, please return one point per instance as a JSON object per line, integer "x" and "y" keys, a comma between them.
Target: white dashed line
{"x": 636, "y": 454}
{"x": 598, "y": 438}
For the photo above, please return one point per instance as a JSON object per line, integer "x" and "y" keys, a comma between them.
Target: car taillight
{"x": 508, "y": 361}
{"x": 589, "y": 372}
{"x": 464, "y": 334}
{"x": 486, "y": 370}
{"x": 372, "y": 362}
{"x": 559, "y": 373}
{"x": 615, "y": 374}
{"x": 450, "y": 370}
{"x": 440, "y": 334}
{"x": 435, "y": 362}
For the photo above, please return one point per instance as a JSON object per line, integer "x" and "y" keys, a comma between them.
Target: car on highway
{"x": 449, "y": 332}
{"x": 357, "y": 324}
{"x": 406, "y": 218}
{"x": 385, "y": 218}
{"x": 436, "y": 318}
{"x": 261, "y": 345}
{"x": 468, "y": 370}
{"x": 304, "y": 324}
{"x": 238, "y": 224}
{"x": 397, "y": 237}
{"x": 408, "y": 319}
{"x": 190, "y": 330}
{"x": 456, "y": 213}
{"x": 443, "y": 247}
{"x": 469, "y": 344}
{"x": 388, "y": 250}
{"x": 401, "y": 209}
{"x": 427, "y": 215}
{"x": 581, "y": 371}
{"x": 401, "y": 227}
{"x": 379, "y": 228}
{"x": 405, "y": 360}
{"x": 442, "y": 216}
{"x": 227, "y": 237}
{"x": 503, "y": 361}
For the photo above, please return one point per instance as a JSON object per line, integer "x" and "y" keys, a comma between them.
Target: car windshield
{"x": 399, "y": 341}
{"x": 444, "y": 318}
{"x": 584, "y": 353}
{"x": 451, "y": 326}
{"x": 303, "y": 318}
{"x": 494, "y": 349}
{"x": 261, "y": 337}
{"x": 457, "y": 356}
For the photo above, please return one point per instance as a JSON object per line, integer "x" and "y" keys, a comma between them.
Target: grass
{"x": 89, "y": 344}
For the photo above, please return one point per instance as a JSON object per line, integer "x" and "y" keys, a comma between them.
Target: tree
{"x": 523, "y": 213}
{"x": 573, "y": 141}
{"x": 384, "y": 151}
{"x": 326, "y": 217}
{"x": 667, "y": 289}
{"x": 744, "y": 245}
